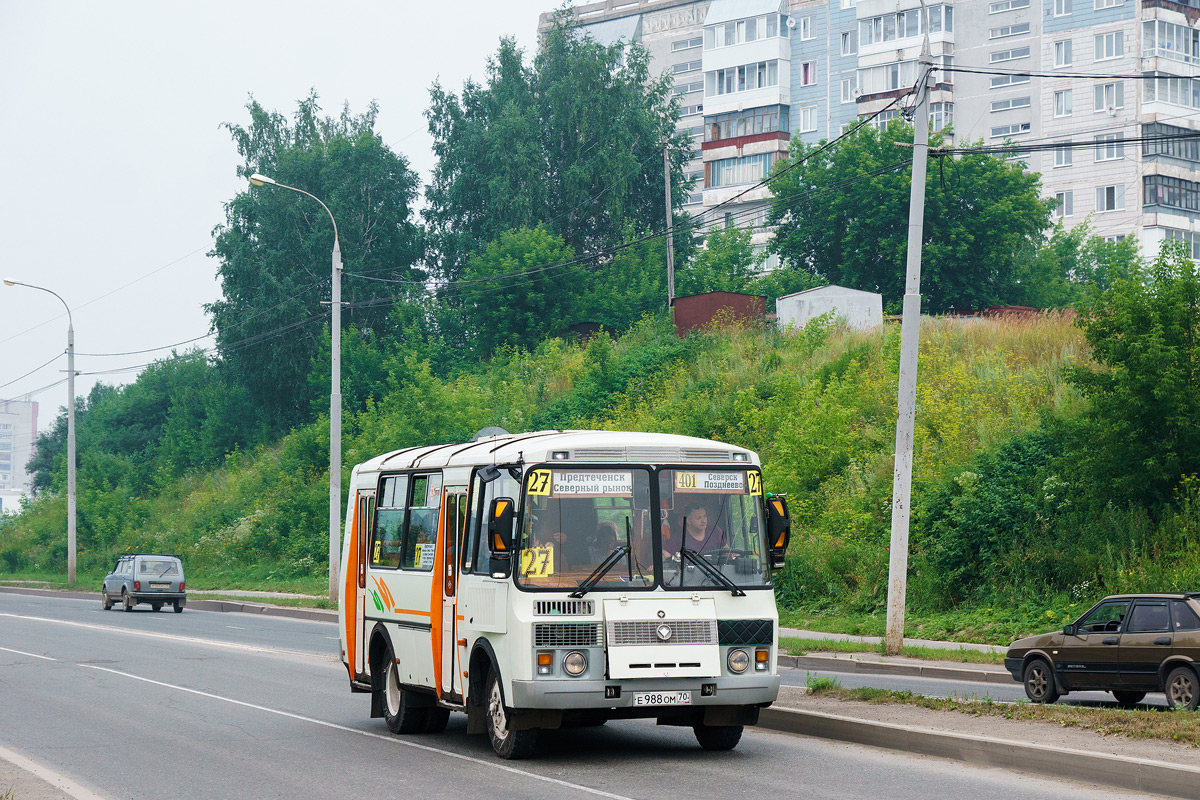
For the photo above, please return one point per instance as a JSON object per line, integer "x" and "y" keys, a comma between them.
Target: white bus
{"x": 563, "y": 577}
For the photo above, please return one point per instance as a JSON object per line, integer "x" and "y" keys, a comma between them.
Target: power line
{"x": 1039, "y": 74}
{"x": 35, "y": 369}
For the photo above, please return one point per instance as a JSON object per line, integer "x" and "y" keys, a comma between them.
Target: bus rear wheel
{"x": 718, "y": 737}
{"x": 398, "y": 711}
{"x": 507, "y": 743}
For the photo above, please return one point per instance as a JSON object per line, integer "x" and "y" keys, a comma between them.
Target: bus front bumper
{"x": 751, "y": 690}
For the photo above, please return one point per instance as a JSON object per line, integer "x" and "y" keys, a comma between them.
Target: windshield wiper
{"x": 588, "y": 583}
{"x": 708, "y": 569}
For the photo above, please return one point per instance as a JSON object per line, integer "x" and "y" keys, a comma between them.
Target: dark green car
{"x": 1128, "y": 644}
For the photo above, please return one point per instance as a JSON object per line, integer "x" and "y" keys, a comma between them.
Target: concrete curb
{"x": 827, "y": 664}
{"x": 317, "y": 614}
{"x": 1143, "y": 775}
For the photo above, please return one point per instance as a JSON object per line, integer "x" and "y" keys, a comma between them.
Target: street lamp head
{"x": 261, "y": 180}
{"x": 9, "y": 282}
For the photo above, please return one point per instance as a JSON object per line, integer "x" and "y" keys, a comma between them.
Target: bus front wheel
{"x": 506, "y": 742}
{"x": 718, "y": 737}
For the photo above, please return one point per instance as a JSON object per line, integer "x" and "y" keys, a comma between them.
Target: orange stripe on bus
{"x": 350, "y": 594}
{"x": 411, "y": 611}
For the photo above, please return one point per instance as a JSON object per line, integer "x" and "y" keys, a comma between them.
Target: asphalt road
{"x": 210, "y": 705}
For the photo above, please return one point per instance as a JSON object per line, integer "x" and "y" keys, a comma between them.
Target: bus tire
{"x": 398, "y": 711}
{"x": 507, "y": 743}
{"x": 718, "y": 737}
{"x": 436, "y": 719}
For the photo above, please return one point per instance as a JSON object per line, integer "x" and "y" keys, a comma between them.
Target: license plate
{"x": 157, "y": 585}
{"x": 662, "y": 698}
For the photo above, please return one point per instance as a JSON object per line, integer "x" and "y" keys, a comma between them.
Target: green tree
{"x": 274, "y": 248}
{"x": 726, "y": 263}
{"x": 573, "y": 140}
{"x": 1145, "y": 401}
{"x": 843, "y": 217}
{"x": 512, "y": 293}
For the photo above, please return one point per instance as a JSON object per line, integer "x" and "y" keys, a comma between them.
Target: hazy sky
{"x": 114, "y": 165}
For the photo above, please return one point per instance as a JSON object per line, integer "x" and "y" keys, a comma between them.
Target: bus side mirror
{"x": 779, "y": 530}
{"x": 499, "y": 528}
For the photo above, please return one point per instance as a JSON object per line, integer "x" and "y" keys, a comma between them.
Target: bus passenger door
{"x": 455, "y": 511}
{"x": 364, "y": 518}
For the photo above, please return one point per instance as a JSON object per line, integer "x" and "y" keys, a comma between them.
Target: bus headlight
{"x": 738, "y": 661}
{"x": 575, "y": 663}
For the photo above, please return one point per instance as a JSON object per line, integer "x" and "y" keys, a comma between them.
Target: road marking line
{"x": 478, "y": 761}
{"x": 177, "y": 638}
{"x": 60, "y": 782}
{"x": 236, "y": 627}
{"x": 22, "y": 652}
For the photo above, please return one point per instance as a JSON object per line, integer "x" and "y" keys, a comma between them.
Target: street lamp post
{"x": 335, "y": 392}
{"x": 70, "y": 427}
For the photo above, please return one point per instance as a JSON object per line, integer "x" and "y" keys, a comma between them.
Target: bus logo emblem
{"x": 661, "y": 614}
{"x": 664, "y": 632}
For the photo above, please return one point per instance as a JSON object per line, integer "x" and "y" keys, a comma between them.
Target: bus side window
{"x": 387, "y": 542}
{"x": 474, "y": 515}
{"x": 421, "y": 535}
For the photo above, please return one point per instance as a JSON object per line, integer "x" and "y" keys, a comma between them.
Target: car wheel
{"x": 126, "y": 601}
{"x": 1182, "y": 690}
{"x": 718, "y": 737}
{"x": 1039, "y": 682}
{"x": 1127, "y": 698}
{"x": 506, "y": 742}
{"x": 398, "y": 711}
{"x": 105, "y": 601}
{"x": 178, "y": 607}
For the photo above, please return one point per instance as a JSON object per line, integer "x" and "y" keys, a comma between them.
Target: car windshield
{"x": 158, "y": 566}
{"x": 716, "y": 515}
{"x": 575, "y": 519}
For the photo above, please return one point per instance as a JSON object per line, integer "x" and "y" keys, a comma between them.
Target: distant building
{"x": 18, "y": 434}
{"x": 751, "y": 74}
{"x": 860, "y": 309}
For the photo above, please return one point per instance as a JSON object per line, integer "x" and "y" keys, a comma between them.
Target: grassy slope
{"x": 818, "y": 405}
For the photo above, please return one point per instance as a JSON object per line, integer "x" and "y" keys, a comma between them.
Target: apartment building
{"x": 18, "y": 434}
{"x": 753, "y": 73}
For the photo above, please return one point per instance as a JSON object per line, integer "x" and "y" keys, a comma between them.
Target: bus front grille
{"x": 554, "y": 608}
{"x": 567, "y": 634}
{"x": 682, "y": 631}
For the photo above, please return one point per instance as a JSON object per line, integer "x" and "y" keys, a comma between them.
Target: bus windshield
{"x": 576, "y": 518}
{"x": 717, "y": 517}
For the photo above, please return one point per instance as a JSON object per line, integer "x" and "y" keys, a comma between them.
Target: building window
{"x": 900, "y": 75}
{"x": 1007, "y": 5}
{"x": 1109, "y": 46}
{"x": 1010, "y": 103}
{"x": 764, "y": 119}
{"x": 1110, "y": 147}
{"x": 1175, "y": 91}
{"x": 1062, "y": 8}
{"x": 808, "y": 73}
{"x": 849, "y": 3}
{"x": 1183, "y": 149}
{"x": 1109, "y": 3}
{"x": 1062, "y": 53}
{"x": 1167, "y": 40}
{"x": 904, "y": 25}
{"x": 941, "y": 115}
{"x": 687, "y": 111}
{"x": 849, "y": 43}
{"x": 684, "y": 88}
{"x": 1016, "y": 129}
{"x": 1161, "y": 190}
{"x": 1190, "y": 238}
{"x": 741, "y": 79}
{"x": 750, "y": 29}
{"x": 882, "y": 120}
{"x": 736, "y": 171}
{"x": 1001, "y": 81}
{"x": 806, "y": 28}
{"x": 1066, "y": 204}
{"x": 808, "y": 119}
{"x": 847, "y": 90}
{"x": 1062, "y": 155}
{"x": 1010, "y": 55}
{"x": 687, "y": 44}
{"x": 687, "y": 66}
{"x": 1111, "y": 96}
{"x": 1110, "y": 198}
{"x": 1062, "y": 103}
{"x": 1019, "y": 29}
